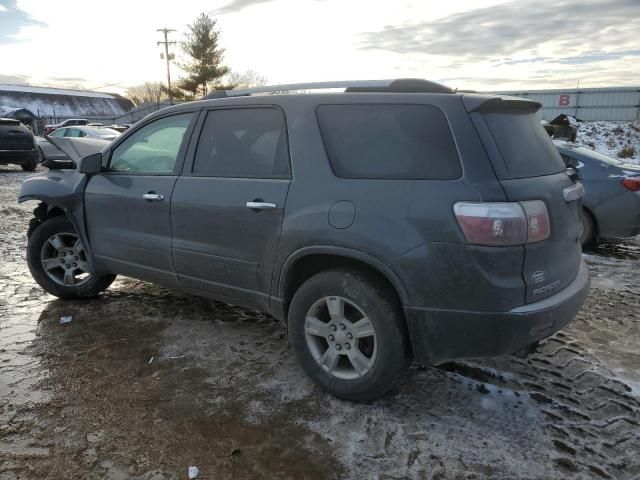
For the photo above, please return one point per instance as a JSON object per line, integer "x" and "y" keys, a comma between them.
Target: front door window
{"x": 154, "y": 148}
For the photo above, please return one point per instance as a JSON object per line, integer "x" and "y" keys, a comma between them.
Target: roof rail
{"x": 403, "y": 85}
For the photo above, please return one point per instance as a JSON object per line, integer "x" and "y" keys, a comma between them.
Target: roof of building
{"x": 61, "y": 102}
{"x": 53, "y": 91}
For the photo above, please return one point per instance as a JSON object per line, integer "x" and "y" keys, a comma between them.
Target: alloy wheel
{"x": 64, "y": 260}
{"x": 340, "y": 337}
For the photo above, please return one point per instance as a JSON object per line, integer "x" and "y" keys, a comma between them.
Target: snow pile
{"x": 617, "y": 139}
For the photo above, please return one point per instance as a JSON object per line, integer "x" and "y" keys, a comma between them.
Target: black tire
{"x": 380, "y": 306}
{"x": 93, "y": 285}
{"x": 30, "y": 166}
{"x": 588, "y": 236}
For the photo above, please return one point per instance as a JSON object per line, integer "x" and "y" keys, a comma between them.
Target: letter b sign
{"x": 564, "y": 100}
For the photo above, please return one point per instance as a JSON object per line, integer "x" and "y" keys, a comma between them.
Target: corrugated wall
{"x": 615, "y": 103}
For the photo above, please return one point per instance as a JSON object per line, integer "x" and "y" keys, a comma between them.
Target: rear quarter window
{"x": 525, "y": 146}
{"x": 389, "y": 141}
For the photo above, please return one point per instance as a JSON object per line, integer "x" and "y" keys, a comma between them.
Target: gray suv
{"x": 390, "y": 221}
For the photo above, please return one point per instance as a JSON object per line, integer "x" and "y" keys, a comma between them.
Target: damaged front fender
{"x": 59, "y": 190}
{"x": 56, "y": 188}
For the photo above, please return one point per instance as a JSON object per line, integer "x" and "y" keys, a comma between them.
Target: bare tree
{"x": 154, "y": 92}
{"x": 247, "y": 79}
{"x": 148, "y": 92}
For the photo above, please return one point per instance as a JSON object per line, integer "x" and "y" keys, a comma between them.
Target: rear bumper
{"x": 441, "y": 335}
{"x": 18, "y": 157}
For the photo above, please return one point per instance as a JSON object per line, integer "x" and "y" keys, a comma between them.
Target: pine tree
{"x": 205, "y": 67}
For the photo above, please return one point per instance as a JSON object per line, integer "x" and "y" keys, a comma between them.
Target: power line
{"x": 168, "y": 57}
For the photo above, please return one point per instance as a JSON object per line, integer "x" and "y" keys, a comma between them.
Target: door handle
{"x": 261, "y": 205}
{"x": 153, "y": 197}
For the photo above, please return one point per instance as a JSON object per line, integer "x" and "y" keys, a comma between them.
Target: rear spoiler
{"x": 493, "y": 103}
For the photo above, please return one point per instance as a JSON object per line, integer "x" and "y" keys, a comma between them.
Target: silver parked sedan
{"x": 49, "y": 152}
{"x": 611, "y": 205}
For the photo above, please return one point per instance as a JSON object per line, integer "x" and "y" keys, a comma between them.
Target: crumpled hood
{"x": 76, "y": 148}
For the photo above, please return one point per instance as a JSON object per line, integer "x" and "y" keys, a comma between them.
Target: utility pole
{"x": 167, "y": 56}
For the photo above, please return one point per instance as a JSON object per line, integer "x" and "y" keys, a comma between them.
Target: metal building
{"x": 612, "y": 103}
{"x": 40, "y": 105}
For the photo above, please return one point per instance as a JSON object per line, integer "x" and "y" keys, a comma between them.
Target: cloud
{"x": 68, "y": 79}
{"x": 588, "y": 57}
{"x": 16, "y": 79}
{"x": 12, "y": 20}
{"x": 575, "y": 27}
{"x": 237, "y": 5}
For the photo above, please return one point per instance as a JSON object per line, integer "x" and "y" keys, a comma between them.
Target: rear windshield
{"x": 524, "y": 145}
{"x": 106, "y": 132}
{"x": 389, "y": 142}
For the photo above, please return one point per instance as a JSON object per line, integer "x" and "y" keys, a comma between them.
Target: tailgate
{"x": 15, "y": 139}
{"x": 552, "y": 264}
{"x": 530, "y": 168}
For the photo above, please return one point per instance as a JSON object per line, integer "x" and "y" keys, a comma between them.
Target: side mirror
{"x": 90, "y": 164}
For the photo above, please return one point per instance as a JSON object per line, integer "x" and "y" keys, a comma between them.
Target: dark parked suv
{"x": 17, "y": 145}
{"x": 396, "y": 219}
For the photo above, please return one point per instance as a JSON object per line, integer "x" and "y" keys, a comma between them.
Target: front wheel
{"x": 57, "y": 261}
{"x": 349, "y": 335}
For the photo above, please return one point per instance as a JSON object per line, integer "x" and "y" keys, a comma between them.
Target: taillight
{"x": 503, "y": 223}
{"x": 632, "y": 183}
{"x": 538, "y": 227}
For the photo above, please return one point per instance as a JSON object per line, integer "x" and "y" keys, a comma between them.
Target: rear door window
{"x": 243, "y": 142}
{"x": 389, "y": 141}
{"x": 524, "y": 145}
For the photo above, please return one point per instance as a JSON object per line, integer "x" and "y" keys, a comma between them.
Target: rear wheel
{"x": 31, "y": 165}
{"x": 587, "y": 229}
{"x": 57, "y": 261}
{"x": 349, "y": 335}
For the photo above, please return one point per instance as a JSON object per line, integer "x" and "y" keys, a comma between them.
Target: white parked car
{"x": 50, "y": 153}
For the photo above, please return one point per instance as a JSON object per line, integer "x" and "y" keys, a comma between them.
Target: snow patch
{"x": 609, "y": 138}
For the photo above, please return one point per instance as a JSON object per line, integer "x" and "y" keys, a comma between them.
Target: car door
{"x": 127, "y": 207}
{"x": 49, "y": 150}
{"x": 228, "y": 205}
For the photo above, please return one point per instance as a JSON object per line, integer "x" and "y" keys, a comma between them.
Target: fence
{"x": 614, "y": 103}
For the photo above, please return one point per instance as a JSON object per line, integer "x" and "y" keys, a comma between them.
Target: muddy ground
{"x": 144, "y": 382}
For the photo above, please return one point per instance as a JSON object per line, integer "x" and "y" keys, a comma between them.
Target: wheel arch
{"x": 49, "y": 208}
{"x": 594, "y": 222}
{"x": 308, "y": 261}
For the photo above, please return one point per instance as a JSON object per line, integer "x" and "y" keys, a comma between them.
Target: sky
{"x": 467, "y": 44}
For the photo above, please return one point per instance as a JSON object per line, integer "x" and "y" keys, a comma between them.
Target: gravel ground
{"x": 144, "y": 382}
